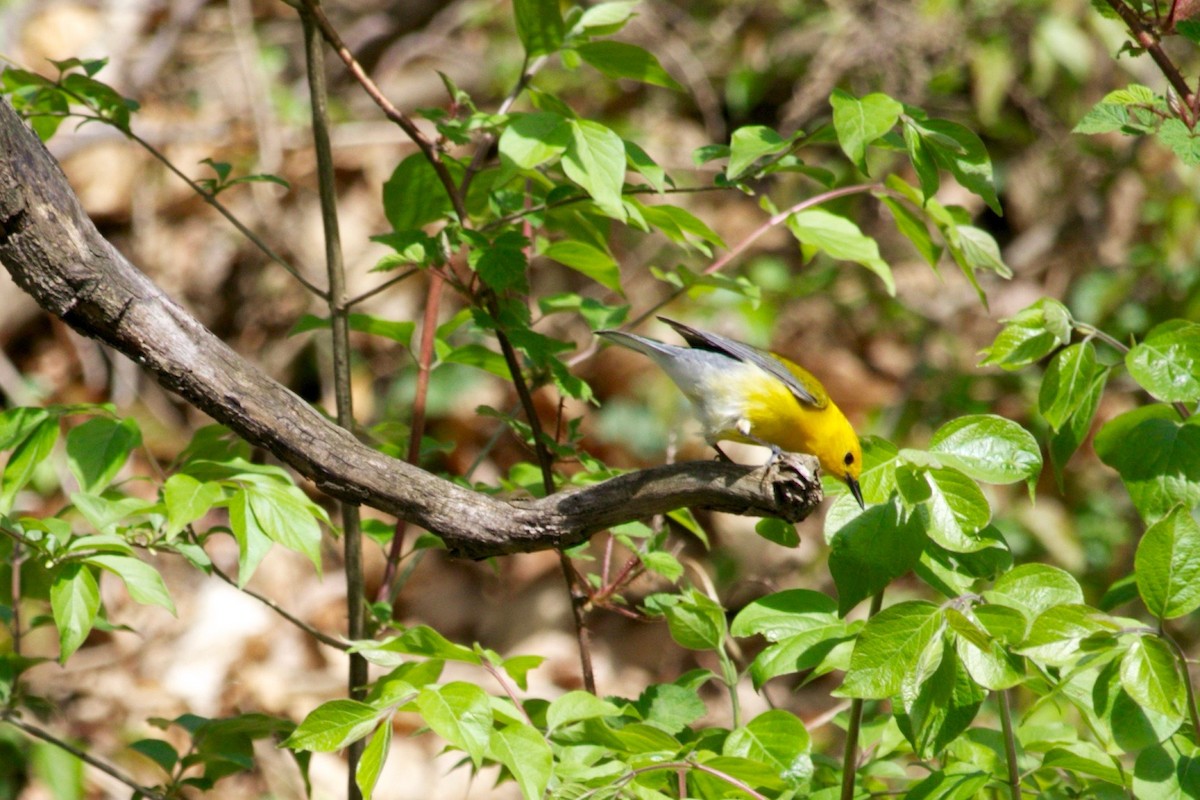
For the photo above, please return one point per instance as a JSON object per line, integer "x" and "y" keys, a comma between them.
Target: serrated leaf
{"x": 623, "y": 60}
{"x": 840, "y": 239}
{"x": 1167, "y": 362}
{"x": 859, "y": 122}
{"x": 1167, "y": 565}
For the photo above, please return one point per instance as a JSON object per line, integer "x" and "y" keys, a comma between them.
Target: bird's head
{"x": 842, "y": 458}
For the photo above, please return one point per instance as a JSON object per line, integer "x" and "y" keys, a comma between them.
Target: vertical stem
{"x": 433, "y": 298}
{"x": 1193, "y": 714}
{"x": 578, "y": 594}
{"x": 850, "y": 754}
{"x": 351, "y": 531}
{"x": 16, "y": 598}
{"x": 1010, "y": 746}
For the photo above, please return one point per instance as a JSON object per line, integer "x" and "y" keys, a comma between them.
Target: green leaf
{"x": 1067, "y": 382}
{"x": 838, "y": 237}
{"x": 476, "y": 355}
{"x": 622, "y": 60}
{"x": 97, "y": 449}
{"x": 397, "y": 330}
{"x": 1157, "y": 456}
{"x": 284, "y": 515}
{"x": 960, "y": 151}
{"x": 461, "y": 713}
{"x": 588, "y": 260}
{"x": 779, "y": 740}
{"x": 144, "y": 583}
{"x": 1182, "y": 141}
{"x": 959, "y": 781}
{"x": 871, "y": 550}
{"x": 370, "y": 763}
{"x": 253, "y": 543}
{"x": 1056, "y": 635}
{"x": 502, "y": 264}
{"x": 525, "y": 753}
{"x": 957, "y": 507}
{"x": 695, "y": 620}
{"x": 914, "y": 229}
{"x": 942, "y": 708}
{"x": 531, "y": 140}
{"x": 1150, "y": 673}
{"x": 922, "y": 159}
{"x": 1033, "y": 333}
{"x": 1167, "y": 565}
{"x": 1067, "y": 439}
{"x": 333, "y": 725}
{"x": 1034, "y": 588}
{"x": 158, "y": 751}
{"x": 789, "y": 613}
{"x": 74, "y": 602}
{"x": 595, "y": 159}
{"x": 888, "y": 648}
{"x": 1084, "y": 758}
{"x": 640, "y": 162}
{"x": 17, "y": 423}
{"x": 576, "y": 706}
{"x": 988, "y": 448}
{"x": 540, "y": 25}
{"x": 990, "y": 663}
{"x": 749, "y": 144}
{"x": 1170, "y": 771}
{"x": 187, "y": 500}
{"x": 1167, "y": 362}
{"x": 859, "y": 122}
{"x": 25, "y": 458}
{"x": 669, "y": 707}
{"x": 413, "y": 196}
{"x": 776, "y": 530}
{"x": 680, "y": 226}
{"x": 660, "y": 562}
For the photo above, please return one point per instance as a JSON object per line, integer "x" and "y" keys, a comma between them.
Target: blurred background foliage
{"x": 1107, "y": 224}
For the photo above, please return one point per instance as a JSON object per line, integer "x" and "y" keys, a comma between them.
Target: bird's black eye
{"x": 849, "y": 459}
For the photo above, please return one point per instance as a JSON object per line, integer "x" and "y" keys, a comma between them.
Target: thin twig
{"x": 40, "y": 733}
{"x": 319, "y": 635}
{"x": 389, "y": 110}
{"x": 433, "y": 298}
{"x": 357, "y": 677}
{"x": 1010, "y": 745}
{"x": 389, "y": 283}
{"x": 850, "y": 754}
{"x": 1151, "y": 44}
{"x": 758, "y": 232}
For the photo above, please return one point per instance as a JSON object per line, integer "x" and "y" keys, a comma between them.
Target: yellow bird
{"x": 745, "y": 394}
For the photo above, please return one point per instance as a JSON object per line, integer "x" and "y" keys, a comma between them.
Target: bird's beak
{"x": 856, "y": 490}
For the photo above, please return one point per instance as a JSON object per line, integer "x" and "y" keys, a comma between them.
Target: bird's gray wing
{"x": 703, "y": 340}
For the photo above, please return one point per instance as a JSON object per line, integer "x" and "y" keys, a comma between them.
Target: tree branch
{"x": 54, "y": 252}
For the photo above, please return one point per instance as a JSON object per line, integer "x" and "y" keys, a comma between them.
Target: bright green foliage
{"x": 1168, "y": 565}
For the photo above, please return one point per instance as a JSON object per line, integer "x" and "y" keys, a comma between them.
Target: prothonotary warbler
{"x": 745, "y": 394}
